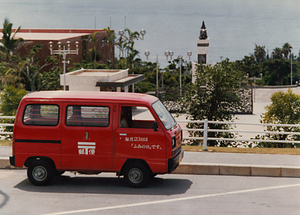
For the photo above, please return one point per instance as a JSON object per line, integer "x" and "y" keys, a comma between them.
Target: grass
{"x": 284, "y": 151}
{"x": 190, "y": 148}
{"x": 5, "y": 142}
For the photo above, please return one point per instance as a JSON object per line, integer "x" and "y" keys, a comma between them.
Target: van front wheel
{"x": 136, "y": 175}
{"x": 39, "y": 173}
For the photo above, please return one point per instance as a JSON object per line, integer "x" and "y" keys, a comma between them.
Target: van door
{"x": 87, "y": 137}
{"x": 138, "y": 138}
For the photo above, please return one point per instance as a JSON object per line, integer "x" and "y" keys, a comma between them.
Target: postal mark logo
{"x": 86, "y": 148}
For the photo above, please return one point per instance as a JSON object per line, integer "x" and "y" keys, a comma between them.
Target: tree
{"x": 51, "y": 80}
{"x": 31, "y": 69}
{"x": 286, "y": 50}
{"x": 259, "y": 53}
{"x": 275, "y": 70}
{"x": 110, "y": 40}
{"x": 248, "y": 65}
{"x": 11, "y": 65}
{"x": 277, "y": 53}
{"x": 8, "y": 41}
{"x": 215, "y": 95}
{"x": 284, "y": 109}
{"x": 93, "y": 51}
{"x": 125, "y": 43}
{"x": 32, "y": 75}
{"x": 148, "y": 69}
{"x": 11, "y": 98}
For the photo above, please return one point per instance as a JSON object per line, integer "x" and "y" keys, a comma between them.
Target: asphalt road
{"x": 167, "y": 194}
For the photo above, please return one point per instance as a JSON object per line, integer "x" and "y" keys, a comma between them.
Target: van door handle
{"x": 123, "y": 134}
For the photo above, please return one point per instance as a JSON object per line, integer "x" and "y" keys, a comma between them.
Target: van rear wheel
{"x": 136, "y": 175}
{"x": 39, "y": 173}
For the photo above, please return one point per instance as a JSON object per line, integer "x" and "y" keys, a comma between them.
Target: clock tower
{"x": 202, "y": 50}
{"x": 202, "y": 45}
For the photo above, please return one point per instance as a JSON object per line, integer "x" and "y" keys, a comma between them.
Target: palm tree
{"x": 8, "y": 41}
{"x": 94, "y": 39}
{"x": 129, "y": 46}
{"x": 277, "y": 53}
{"x": 125, "y": 44}
{"x": 286, "y": 49}
{"x": 110, "y": 40}
{"x": 259, "y": 53}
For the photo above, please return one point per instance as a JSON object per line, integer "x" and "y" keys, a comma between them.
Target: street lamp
{"x": 147, "y": 53}
{"x": 156, "y": 91}
{"x": 64, "y": 52}
{"x": 254, "y": 78}
{"x": 180, "y": 82}
{"x": 171, "y": 53}
{"x": 143, "y": 33}
{"x": 189, "y": 54}
{"x": 291, "y": 68}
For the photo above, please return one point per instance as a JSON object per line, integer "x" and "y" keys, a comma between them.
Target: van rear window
{"x": 41, "y": 114}
{"x": 90, "y": 116}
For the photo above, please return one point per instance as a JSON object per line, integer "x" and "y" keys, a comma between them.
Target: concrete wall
{"x": 86, "y": 79}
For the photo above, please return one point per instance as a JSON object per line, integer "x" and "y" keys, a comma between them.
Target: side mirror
{"x": 155, "y": 126}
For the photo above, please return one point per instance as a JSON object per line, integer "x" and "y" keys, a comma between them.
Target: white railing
{"x": 206, "y": 129}
{"x": 6, "y": 124}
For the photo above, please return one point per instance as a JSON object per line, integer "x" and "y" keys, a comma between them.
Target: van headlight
{"x": 173, "y": 142}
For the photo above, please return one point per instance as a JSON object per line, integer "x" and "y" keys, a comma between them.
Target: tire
{"x": 153, "y": 175}
{"x": 40, "y": 173}
{"x": 137, "y": 175}
{"x": 58, "y": 172}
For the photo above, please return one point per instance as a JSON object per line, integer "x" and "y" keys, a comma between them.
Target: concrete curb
{"x": 219, "y": 169}
{"x": 238, "y": 170}
{"x": 4, "y": 163}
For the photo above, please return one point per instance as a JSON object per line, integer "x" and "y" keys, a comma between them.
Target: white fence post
{"x": 6, "y": 125}
{"x": 205, "y": 135}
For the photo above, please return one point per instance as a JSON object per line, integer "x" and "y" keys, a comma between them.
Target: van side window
{"x": 90, "y": 116}
{"x": 136, "y": 117}
{"x": 38, "y": 114}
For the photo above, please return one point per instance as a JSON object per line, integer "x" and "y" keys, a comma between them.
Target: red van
{"x": 92, "y": 132}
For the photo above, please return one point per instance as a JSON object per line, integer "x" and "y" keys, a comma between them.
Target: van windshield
{"x": 164, "y": 115}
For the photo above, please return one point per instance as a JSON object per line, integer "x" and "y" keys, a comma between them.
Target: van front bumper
{"x": 174, "y": 162}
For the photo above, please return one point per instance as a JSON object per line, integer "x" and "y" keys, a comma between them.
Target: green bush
{"x": 284, "y": 109}
{"x": 11, "y": 98}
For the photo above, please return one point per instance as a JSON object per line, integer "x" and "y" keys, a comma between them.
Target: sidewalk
{"x": 240, "y": 164}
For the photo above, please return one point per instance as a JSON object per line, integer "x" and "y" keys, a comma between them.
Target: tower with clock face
{"x": 202, "y": 50}
{"x": 202, "y": 45}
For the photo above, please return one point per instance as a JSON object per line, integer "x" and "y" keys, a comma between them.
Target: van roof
{"x": 91, "y": 95}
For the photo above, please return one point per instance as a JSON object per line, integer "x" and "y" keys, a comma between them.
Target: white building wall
{"x": 86, "y": 80}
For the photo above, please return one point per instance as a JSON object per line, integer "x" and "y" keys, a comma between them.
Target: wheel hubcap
{"x": 39, "y": 173}
{"x": 135, "y": 175}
